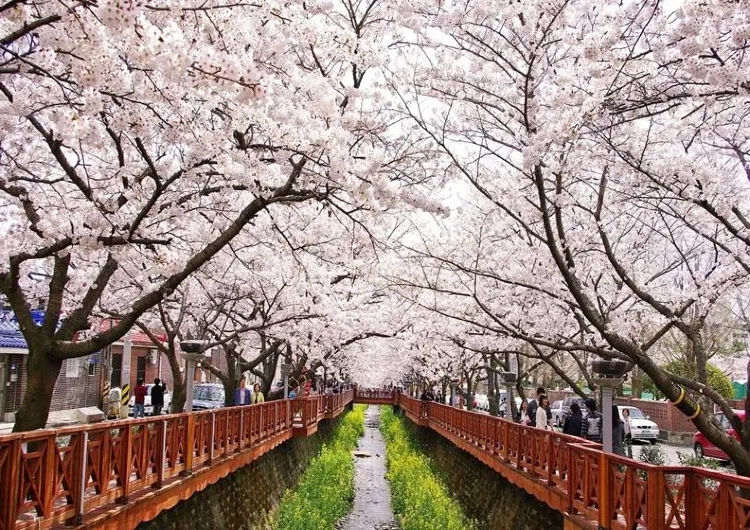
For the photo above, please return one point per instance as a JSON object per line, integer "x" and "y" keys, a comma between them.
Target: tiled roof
{"x": 11, "y": 337}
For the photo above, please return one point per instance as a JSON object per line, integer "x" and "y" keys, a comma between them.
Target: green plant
{"x": 420, "y": 500}
{"x": 326, "y": 490}
{"x": 653, "y": 454}
{"x": 716, "y": 379}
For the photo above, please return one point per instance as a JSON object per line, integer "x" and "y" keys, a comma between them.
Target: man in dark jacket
{"x": 573, "y": 422}
{"x": 533, "y": 405}
{"x": 157, "y": 396}
{"x": 242, "y": 395}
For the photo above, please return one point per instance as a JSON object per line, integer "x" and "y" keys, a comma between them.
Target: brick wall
{"x": 76, "y": 391}
{"x": 666, "y": 415}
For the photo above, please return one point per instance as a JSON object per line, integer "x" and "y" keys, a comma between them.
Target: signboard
{"x": 287, "y": 369}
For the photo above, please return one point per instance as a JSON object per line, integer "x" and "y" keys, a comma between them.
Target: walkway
{"x": 372, "y": 504}
{"x": 115, "y": 475}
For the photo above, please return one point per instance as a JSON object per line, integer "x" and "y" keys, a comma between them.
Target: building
{"x": 77, "y": 386}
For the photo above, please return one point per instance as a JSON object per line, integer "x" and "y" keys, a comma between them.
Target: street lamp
{"x": 609, "y": 374}
{"x": 454, "y": 383}
{"x": 192, "y": 353}
{"x": 509, "y": 378}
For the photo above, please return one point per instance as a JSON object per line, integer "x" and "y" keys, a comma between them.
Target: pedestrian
{"x": 591, "y": 427}
{"x": 157, "y": 396}
{"x": 523, "y": 414}
{"x": 628, "y": 433}
{"x": 257, "y": 394}
{"x": 426, "y": 397}
{"x": 140, "y": 392}
{"x": 533, "y": 405}
{"x": 242, "y": 394}
{"x": 618, "y": 432}
{"x": 573, "y": 421}
{"x": 542, "y": 418}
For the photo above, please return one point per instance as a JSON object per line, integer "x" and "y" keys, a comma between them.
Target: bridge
{"x": 119, "y": 474}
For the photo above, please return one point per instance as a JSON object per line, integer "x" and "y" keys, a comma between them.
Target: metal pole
{"x": 189, "y": 376}
{"x": 607, "y": 418}
{"x": 127, "y": 349}
{"x": 286, "y": 387}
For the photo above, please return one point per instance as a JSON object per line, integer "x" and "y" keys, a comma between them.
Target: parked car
{"x": 703, "y": 447}
{"x": 208, "y": 396}
{"x": 148, "y": 408}
{"x": 641, "y": 427}
{"x": 557, "y": 413}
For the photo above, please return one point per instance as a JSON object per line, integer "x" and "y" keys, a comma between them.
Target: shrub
{"x": 420, "y": 500}
{"x": 326, "y": 489}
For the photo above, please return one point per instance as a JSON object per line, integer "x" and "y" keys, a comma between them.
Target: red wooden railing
{"x": 50, "y": 477}
{"x": 577, "y": 478}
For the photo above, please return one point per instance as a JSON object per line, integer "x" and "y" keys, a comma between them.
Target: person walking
{"x": 542, "y": 418}
{"x": 157, "y": 396}
{"x": 140, "y": 391}
{"x": 257, "y": 394}
{"x": 628, "y": 433}
{"x": 573, "y": 422}
{"x": 591, "y": 427}
{"x": 242, "y": 394}
{"x": 533, "y": 405}
{"x": 618, "y": 432}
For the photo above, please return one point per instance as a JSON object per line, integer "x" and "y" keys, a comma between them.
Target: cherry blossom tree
{"x": 604, "y": 148}
{"x": 140, "y": 139}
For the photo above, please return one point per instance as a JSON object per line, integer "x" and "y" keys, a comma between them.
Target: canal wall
{"x": 483, "y": 493}
{"x": 245, "y": 499}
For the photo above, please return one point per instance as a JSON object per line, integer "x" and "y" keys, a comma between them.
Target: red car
{"x": 703, "y": 447}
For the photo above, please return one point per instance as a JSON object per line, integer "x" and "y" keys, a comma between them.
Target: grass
{"x": 420, "y": 500}
{"x": 326, "y": 490}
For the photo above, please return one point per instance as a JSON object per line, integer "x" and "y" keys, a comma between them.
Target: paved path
{"x": 372, "y": 504}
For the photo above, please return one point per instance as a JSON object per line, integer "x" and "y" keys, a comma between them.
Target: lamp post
{"x": 509, "y": 379}
{"x": 192, "y": 353}
{"x": 454, "y": 383}
{"x": 609, "y": 374}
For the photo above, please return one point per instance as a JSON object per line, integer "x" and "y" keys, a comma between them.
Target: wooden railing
{"x": 375, "y": 396}
{"x": 51, "y": 477}
{"x": 577, "y": 478}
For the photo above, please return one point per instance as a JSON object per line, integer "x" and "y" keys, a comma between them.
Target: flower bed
{"x": 420, "y": 500}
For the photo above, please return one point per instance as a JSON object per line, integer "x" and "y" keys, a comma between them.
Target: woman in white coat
{"x": 542, "y": 420}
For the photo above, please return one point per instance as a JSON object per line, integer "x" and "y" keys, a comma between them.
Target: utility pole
{"x": 125, "y": 378}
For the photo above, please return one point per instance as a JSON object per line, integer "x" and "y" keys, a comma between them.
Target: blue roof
{"x": 11, "y": 336}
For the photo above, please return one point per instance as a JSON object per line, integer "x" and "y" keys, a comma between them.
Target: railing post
{"x": 161, "y": 442}
{"x": 126, "y": 458}
{"x": 605, "y": 493}
{"x": 241, "y": 434}
{"x": 189, "y": 445}
{"x": 550, "y": 458}
{"x": 655, "y": 500}
{"x": 211, "y": 440}
{"x": 260, "y": 424}
{"x": 81, "y": 473}
{"x": 691, "y": 494}
{"x": 11, "y": 480}
{"x": 49, "y": 468}
{"x": 570, "y": 480}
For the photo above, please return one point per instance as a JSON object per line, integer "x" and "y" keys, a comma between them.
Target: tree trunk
{"x": 42, "y": 373}
{"x": 179, "y": 395}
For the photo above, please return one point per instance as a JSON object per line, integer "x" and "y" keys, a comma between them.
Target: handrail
{"x": 611, "y": 491}
{"x": 54, "y": 476}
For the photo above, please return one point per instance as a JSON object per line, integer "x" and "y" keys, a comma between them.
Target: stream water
{"x": 372, "y": 503}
